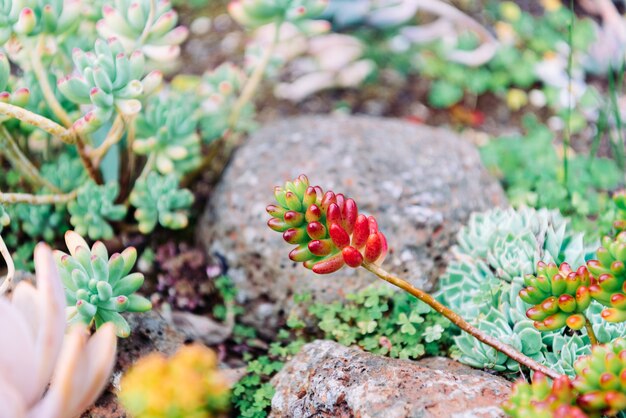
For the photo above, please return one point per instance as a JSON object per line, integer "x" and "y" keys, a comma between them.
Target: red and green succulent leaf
{"x": 609, "y": 287}
{"x": 559, "y": 296}
{"x": 326, "y": 228}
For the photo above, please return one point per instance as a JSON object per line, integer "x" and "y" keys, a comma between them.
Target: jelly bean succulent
{"x": 610, "y": 273}
{"x": 158, "y": 199}
{"x": 560, "y": 296}
{"x": 98, "y": 288}
{"x": 86, "y": 116}
{"x": 542, "y": 400}
{"x": 327, "y": 228}
{"x": 330, "y": 233}
{"x": 188, "y": 384}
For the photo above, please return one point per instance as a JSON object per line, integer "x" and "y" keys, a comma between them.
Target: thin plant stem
{"x": 21, "y": 163}
{"x": 37, "y": 199}
{"x": 255, "y": 79}
{"x": 460, "y": 322}
{"x": 592, "y": 335}
{"x": 568, "y": 128}
{"x": 92, "y": 171}
{"x": 66, "y": 135}
{"x": 113, "y": 137}
{"x": 44, "y": 83}
{"x": 6, "y": 254}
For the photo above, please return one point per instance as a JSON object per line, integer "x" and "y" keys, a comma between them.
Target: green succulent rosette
{"x": 98, "y": 288}
{"x": 34, "y": 17}
{"x": 167, "y": 130}
{"x": 560, "y": 296}
{"x": 540, "y": 399}
{"x": 158, "y": 199}
{"x": 109, "y": 81}
{"x": 601, "y": 379}
{"x": 610, "y": 273}
{"x": 153, "y": 32}
{"x": 93, "y": 208}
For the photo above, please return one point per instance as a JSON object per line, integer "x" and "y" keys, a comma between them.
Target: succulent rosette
{"x": 541, "y": 400}
{"x": 610, "y": 274}
{"x": 135, "y": 26}
{"x": 255, "y": 13}
{"x": 109, "y": 80}
{"x": 99, "y": 288}
{"x": 326, "y": 227}
{"x": 32, "y": 17}
{"x": 601, "y": 379}
{"x": 559, "y": 295}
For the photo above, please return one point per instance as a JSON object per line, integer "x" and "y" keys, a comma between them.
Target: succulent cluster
{"x": 46, "y": 371}
{"x": 256, "y": 13}
{"x": 326, "y": 227}
{"x": 20, "y": 96}
{"x": 137, "y": 26}
{"x": 93, "y": 208}
{"x": 485, "y": 286}
{"x": 600, "y": 379}
{"x": 619, "y": 199}
{"x": 542, "y": 400}
{"x": 167, "y": 130}
{"x": 159, "y": 199}
{"x": 597, "y": 389}
{"x": 560, "y": 296}
{"x": 33, "y": 17}
{"x": 188, "y": 384}
{"x": 611, "y": 276}
{"x": 110, "y": 80}
{"x": 99, "y": 288}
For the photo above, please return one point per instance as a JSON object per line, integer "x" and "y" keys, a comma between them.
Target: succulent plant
{"x": 255, "y": 13}
{"x": 109, "y": 80}
{"x": 619, "y": 198}
{"x": 18, "y": 97}
{"x": 137, "y": 27}
{"x": 560, "y": 296}
{"x": 97, "y": 287}
{"x": 168, "y": 130}
{"x": 188, "y": 384}
{"x": 42, "y": 367}
{"x": 327, "y": 228}
{"x": 67, "y": 173}
{"x": 42, "y": 221}
{"x": 477, "y": 282}
{"x": 600, "y": 379}
{"x": 542, "y": 400}
{"x": 610, "y": 274}
{"x": 159, "y": 199}
{"x": 32, "y": 17}
{"x": 219, "y": 90}
{"x": 93, "y": 208}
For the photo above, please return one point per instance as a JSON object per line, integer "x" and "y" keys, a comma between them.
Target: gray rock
{"x": 327, "y": 379}
{"x": 421, "y": 183}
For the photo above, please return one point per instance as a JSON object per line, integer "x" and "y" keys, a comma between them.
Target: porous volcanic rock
{"x": 327, "y": 379}
{"x": 421, "y": 183}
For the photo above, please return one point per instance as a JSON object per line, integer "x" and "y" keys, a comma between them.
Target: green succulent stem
{"x": 255, "y": 79}
{"x": 592, "y": 335}
{"x": 6, "y": 254}
{"x": 459, "y": 321}
{"x": 66, "y": 135}
{"x": 36, "y": 199}
{"x": 21, "y": 163}
{"x": 44, "y": 83}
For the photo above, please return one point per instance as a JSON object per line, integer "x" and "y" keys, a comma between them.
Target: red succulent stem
{"x": 460, "y": 322}
{"x": 590, "y": 333}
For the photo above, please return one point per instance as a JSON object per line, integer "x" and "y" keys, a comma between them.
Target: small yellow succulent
{"x": 187, "y": 384}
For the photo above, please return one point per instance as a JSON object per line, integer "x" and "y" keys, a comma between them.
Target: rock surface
{"x": 421, "y": 183}
{"x": 327, "y": 379}
{"x": 150, "y": 332}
